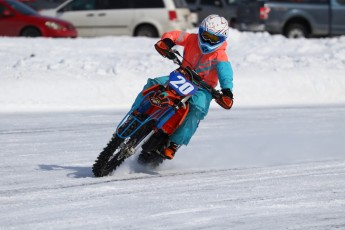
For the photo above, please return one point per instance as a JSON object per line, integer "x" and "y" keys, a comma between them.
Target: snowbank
{"x": 108, "y": 72}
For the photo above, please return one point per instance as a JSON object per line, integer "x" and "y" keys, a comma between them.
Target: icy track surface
{"x": 260, "y": 168}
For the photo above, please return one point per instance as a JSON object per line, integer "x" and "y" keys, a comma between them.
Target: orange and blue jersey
{"x": 211, "y": 67}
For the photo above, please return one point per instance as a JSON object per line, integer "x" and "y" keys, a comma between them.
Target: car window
{"x": 211, "y": 2}
{"x": 43, "y": 4}
{"x": 78, "y": 5}
{"x": 191, "y": 1}
{"x": 2, "y": 9}
{"x": 111, "y": 4}
{"x": 341, "y": 2}
{"x": 148, "y": 3}
{"x": 231, "y": 2}
{"x": 21, "y": 8}
{"x": 180, "y": 4}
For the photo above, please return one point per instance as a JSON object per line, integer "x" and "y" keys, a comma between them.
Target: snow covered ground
{"x": 275, "y": 161}
{"x": 95, "y": 73}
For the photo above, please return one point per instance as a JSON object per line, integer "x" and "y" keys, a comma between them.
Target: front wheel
{"x": 104, "y": 165}
{"x": 119, "y": 149}
{"x": 31, "y": 32}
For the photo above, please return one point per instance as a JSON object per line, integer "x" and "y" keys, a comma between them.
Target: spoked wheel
{"x": 118, "y": 149}
{"x": 101, "y": 166}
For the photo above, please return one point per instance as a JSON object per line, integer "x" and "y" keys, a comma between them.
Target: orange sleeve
{"x": 178, "y": 37}
{"x": 221, "y": 53}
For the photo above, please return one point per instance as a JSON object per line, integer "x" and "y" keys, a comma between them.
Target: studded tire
{"x": 115, "y": 153}
{"x": 101, "y": 166}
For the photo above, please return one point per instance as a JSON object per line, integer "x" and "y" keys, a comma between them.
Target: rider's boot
{"x": 170, "y": 151}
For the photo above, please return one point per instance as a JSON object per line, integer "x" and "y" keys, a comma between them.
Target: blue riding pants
{"x": 198, "y": 108}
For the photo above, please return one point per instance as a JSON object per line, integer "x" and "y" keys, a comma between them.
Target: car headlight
{"x": 53, "y": 25}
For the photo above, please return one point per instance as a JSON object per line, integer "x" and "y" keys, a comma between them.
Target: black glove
{"x": 164, "y": 48}
{"x": 228, "y": 93}
{"x": 226, "y": 99}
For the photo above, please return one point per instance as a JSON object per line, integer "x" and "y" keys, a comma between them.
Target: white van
{"x": 125, "y": 17}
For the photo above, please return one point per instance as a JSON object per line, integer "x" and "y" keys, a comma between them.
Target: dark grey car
{"x": 225, "y": 8}
{"x": 294, "y": 19}
{"x": 306, "y": 18}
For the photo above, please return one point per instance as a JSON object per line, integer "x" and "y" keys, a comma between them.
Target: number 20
{"x": 183, "y": 86}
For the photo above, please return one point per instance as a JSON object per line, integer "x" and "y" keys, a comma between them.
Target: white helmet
{"x": 213, "y": 32}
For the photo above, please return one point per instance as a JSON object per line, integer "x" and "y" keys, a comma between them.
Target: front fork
{"x": 127, "y": 151}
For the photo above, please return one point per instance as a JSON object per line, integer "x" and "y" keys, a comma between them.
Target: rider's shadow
{"x": 85, "y": 172}
{"x": 77, "y": 171}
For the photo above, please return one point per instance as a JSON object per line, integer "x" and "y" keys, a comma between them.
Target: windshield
{"x": 21, "y": 8}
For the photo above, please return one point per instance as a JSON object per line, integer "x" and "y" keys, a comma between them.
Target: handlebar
{"x": 174, "y": 57}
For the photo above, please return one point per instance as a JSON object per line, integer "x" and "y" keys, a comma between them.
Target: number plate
{"x": 181, "y": 84}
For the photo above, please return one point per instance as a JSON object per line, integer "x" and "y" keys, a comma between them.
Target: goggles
{"x": 211, "y": 38}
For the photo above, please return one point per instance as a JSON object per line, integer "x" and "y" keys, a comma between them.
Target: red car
{"x": 18, "y": 19}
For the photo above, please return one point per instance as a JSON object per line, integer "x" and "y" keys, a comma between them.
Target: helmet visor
{"x": 211, "y": 38}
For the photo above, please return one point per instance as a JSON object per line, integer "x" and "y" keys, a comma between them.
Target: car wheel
{"x": 30, "y": 32}
{"x": 232, "y": 23}
{"x": 297, "y": 31}
{"x": 147, "y": 31}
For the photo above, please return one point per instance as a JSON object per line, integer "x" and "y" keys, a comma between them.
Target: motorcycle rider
{"x": 206, "y": 53}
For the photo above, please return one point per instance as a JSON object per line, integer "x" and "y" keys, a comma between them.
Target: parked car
{"x": 306, "y": 18}
{"x": 225, "y": 8}
{"x": 295, "y": 19}
{"x": 17, "y": 19}
{"x": 124, "y": 17}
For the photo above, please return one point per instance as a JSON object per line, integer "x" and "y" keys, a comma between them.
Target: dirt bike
{"x": 149, "y": 125}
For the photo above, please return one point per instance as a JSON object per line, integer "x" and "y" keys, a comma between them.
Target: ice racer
{"x": 206, "y": 53}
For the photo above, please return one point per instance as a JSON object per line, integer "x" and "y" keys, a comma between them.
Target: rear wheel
{"x": 31, "y": 32}
{"x": 152, "y": 160}
{"x": 147, "y": 31}
{"x": 297, "y": 30}
{"x": 151, "y": 154}
{"x": 232, "y": 23}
